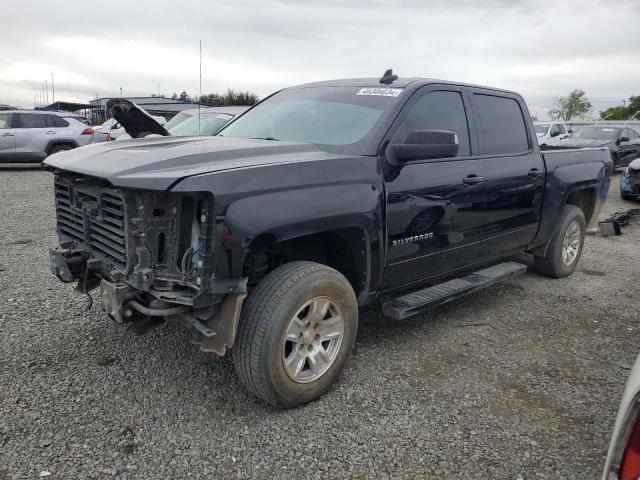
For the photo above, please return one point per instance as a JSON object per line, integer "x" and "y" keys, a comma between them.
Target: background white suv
{"x": 548, "y": 130}
{"x": 32, "y": 135}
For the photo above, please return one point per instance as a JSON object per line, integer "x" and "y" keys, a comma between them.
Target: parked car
{"x": 208, "y": 121}
{"x": 622, "y": 142}
{"x": 630, "y": 181}
{"x": 548, "y": 130}
{"x": 112, "y": 128}
{"x": 623, "y": 458}
{"x": 289, "y": 207}
{"x": 184, "y": 115}
{"x": 32, "y": 135}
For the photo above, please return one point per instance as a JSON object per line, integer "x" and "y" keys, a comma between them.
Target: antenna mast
{"x": 200, "y": 94}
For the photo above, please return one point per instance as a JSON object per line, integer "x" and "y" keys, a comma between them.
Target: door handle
{"x": 473, "y": 180}
{"x": 50, "y": 132}
{"x": 534, "y": 173}
{"x": 7, "y": 134}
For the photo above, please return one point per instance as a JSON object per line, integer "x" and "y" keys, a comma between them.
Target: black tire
{"x": 60, "y": 148}
{"x": 552, "y": 265}
{"x": 631, "y": 198}
{"x": 258, "y": 353}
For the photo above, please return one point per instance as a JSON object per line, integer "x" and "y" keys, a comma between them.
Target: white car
{"x": 623, "y": 459}
{"x": 549, "y": 130}
{"x": 112, "y": 129}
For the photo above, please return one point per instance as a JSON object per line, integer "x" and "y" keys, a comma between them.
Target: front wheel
{"x": 296, "y": 333}
{"x": 566, "y": 246}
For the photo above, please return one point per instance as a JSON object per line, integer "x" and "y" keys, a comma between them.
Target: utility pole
{"x": 120, "y": 91}
{"x": 46, "y": 87}
{"x": 53, "y": 90}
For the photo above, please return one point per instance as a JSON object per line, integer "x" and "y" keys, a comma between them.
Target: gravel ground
{"x": 521, "y": 380}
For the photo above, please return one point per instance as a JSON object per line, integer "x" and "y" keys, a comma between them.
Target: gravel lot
{"x": 521, "y": 380}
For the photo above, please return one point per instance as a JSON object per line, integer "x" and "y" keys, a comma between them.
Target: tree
{"x": 576, "y": 104}
{"x": 174, "y": 96}
{"x": 621, "y": 112}
{"x": 231, "y": 97}
{"x": 184, "y": 96}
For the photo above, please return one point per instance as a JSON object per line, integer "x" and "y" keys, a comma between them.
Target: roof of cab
{"x": 413, "y": 82}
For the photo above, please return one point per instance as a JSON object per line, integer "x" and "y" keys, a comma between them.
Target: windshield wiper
{"x": 265, "y": 138}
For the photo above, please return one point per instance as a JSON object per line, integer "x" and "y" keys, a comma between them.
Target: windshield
{"x": 210, "y": 124}
{"x": 179, "y": 118}
{"x": 318, "y": 115}
{"x": 541, "y": 127}
{"x": 596, "y": 133}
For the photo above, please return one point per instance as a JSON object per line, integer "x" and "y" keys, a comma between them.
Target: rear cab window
{"x": 502, "y": 128}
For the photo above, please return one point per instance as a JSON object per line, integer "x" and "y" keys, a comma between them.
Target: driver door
{"x": 435, "y": 207}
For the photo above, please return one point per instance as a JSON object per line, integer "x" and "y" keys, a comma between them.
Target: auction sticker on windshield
{"x": 380, "y": 92}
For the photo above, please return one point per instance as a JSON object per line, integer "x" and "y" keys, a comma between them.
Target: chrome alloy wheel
{"x": 571, "y": 243}
{"x": 312, "y": 341}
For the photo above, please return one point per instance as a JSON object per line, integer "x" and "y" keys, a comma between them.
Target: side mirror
{"x": 570, "y": 130}
{"x": 623, "y": 139}
{"x": 425, "y": 144}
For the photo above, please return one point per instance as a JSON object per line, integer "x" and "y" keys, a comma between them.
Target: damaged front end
{"x": 151, "y": 253}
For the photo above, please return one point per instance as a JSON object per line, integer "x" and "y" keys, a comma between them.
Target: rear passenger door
{"x": 514, "y": 170}
{"x": 7, "y": 138}
{"x": 32, "y": 136}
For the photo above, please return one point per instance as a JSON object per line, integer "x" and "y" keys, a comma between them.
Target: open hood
{"x": 134, "y": 119}
{"x": 158, "y": 163}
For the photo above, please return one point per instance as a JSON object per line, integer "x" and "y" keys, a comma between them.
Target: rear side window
{"x": 439, "y": 110}
{"x": 5, "y": 120}
{"x": 56, "y": 121}
{"x": 501, "y": 125}
{"x": 633, "y": 135}
{"x": 32, "y": 120}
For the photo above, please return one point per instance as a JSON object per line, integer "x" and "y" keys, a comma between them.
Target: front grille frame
{"x": 93, "y": 219}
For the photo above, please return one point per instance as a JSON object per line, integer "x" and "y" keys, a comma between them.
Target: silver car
{"x": 32, "y": 135}
{"x": 623, "y": 460}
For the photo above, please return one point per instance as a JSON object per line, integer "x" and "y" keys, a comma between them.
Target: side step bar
{"x": 417, "y": 302}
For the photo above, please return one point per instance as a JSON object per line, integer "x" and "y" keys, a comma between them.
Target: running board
{"x": 417, "y": 302}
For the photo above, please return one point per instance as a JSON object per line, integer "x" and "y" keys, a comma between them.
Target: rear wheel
{"x": 566, "y": 246}
{"x": 625, "y": 196}
{"x": 296, "y": 333}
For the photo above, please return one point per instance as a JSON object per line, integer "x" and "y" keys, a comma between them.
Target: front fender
{"x": 296, "y": 213}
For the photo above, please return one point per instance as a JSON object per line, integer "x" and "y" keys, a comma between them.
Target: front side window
{"x": 32, "y": 120}
{"x": 439, "y": 110}
{"x": 502, "y": 125}
{"x": 5, "y": 120}
{"x": 633, "y": 135}
{"x": 562, "y": 129}
{"x": 555, "y": 131}
{"x": 332, "y": 116}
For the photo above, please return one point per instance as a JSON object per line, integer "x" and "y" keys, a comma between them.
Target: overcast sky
{"x": 539, "y": 48}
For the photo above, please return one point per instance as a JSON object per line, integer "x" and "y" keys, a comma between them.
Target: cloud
{"x": 540, "y": 48}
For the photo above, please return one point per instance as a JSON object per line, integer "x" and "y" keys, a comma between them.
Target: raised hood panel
{"x": 157, "y": 163}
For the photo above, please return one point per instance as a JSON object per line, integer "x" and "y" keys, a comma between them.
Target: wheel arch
{"x": 56, "y": 143}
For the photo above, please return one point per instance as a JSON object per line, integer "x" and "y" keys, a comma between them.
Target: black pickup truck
{"x": 267, "y": 238}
